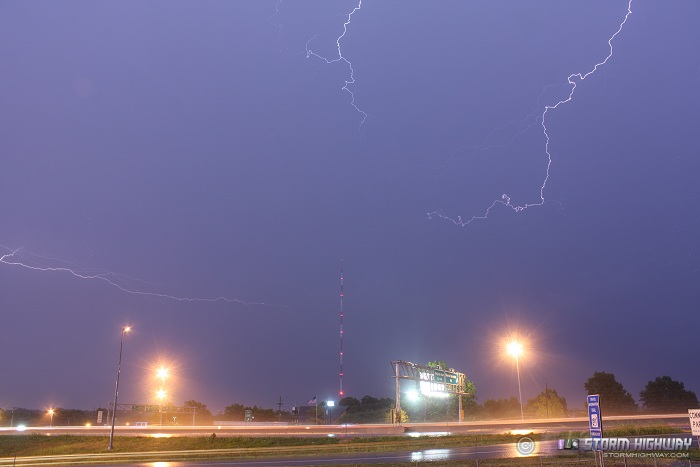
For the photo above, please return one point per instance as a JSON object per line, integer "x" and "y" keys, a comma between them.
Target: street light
{"x": 51, "y": 412}
{"x": 515, "y": 348}
{"x": 125, "y": 329}
{"x": 162, "y": 373}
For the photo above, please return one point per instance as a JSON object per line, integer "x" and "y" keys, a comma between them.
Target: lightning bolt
{"x": 278, "y": 26}
{"x": 32, "y": 262}
{"x": 573, "y": 81}
{"x": 341, "y": 58}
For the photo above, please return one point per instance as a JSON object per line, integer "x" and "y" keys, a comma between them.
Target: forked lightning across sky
{"x": 270, "y": 20}
{"x": 29, "y": 261}
{"x": 340, "y": 58}
{"x": 20, "y": 258}
{"x": 505, "y": 199}
{"x": 573, "y": 80}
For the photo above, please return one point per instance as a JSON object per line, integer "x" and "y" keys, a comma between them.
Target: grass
{"x": 41, "y": 445}
{"x": 24, "y": 445}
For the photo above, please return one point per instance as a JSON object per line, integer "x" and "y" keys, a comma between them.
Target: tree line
{"x": 34, "y": 417}
{"x": 660, "y": 395}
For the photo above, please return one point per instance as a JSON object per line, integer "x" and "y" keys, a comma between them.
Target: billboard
{"x": 431, "y": 380}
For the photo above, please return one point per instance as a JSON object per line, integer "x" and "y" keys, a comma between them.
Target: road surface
{"x": 552, "y": 425}
{"x": 545, "y": 448}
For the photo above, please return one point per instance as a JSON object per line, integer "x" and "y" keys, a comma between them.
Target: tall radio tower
{"x": 340, "y": 393}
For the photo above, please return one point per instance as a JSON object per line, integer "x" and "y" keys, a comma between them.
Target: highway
{"x": 295, "y": 456}
{"x": 292, "y": 458}
{"x": 551, "y": 425}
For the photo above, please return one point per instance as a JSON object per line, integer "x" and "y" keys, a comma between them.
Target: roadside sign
{"x": 595, "y": 420}
{"x": 694, "y": 415}
{"x": 444, "y": 376}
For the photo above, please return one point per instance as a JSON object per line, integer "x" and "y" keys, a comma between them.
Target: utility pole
{"x": 397, "y": 409}
{"x": 341, "y": 393}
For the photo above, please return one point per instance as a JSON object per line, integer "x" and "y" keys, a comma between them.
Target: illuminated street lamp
{"x": 125, "y": 329}
{"x": 161, "y": 395}
{"x": 162, "y": 373}
{"x": 51, "y": 412}
{"x": 515, "y": 348}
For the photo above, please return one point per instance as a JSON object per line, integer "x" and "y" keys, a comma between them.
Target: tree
{"x": 263, "y": 415}
{"x": 501, "y": 408}
{"x": 352, "y": 403}
{"x": 664, "y": 395}
{"x": 366, "y": 410}
{"x": 72, "y": 417}
{"x": 369, "y": 403}
{"x": 614, "y": 398}
{"x": 237, "y": 412}
{"x": 471, "y": 408}
{"x": 202, "y": 414}
{"x": 234, "y": 412}
{"x": 547, "y": 404}
{"x": 201, "y": 408}
{"x": 469, "y": 387}
{"x": 390, "y": 417}
{"x": 440, "y": 364}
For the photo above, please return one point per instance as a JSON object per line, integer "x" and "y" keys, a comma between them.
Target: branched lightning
{"x": 278, "y": 3}
{"x": 521, "y": 126}
{"x": 351, "y": 79}
{"x": 28, "y": 261}
{"x": 572, "y": 80}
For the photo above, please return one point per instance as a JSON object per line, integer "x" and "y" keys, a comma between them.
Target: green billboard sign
{"x": 446, "y": 377}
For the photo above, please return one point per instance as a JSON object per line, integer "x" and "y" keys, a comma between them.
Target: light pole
{"x": 161, "y": 373}
{"x": 515, "y": 348}
{"x": 161, "y": 395}
{"x": 125, "y": 329}
{"x": 51, "y": 412}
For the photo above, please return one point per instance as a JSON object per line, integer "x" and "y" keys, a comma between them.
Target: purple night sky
{"x": 196, "y": 169}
